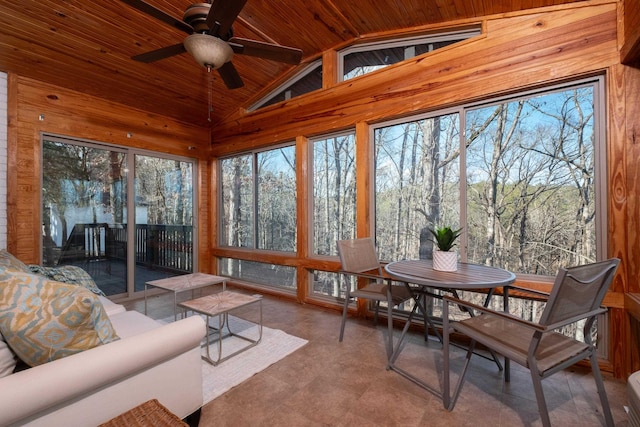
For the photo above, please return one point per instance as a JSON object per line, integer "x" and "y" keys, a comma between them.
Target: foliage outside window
{"x": 276, "y": 276}
{"x": 531, "y": 175}
{"x": 417, "y": 177}
{"x": 258, "y": 208}
{"x": 334, "y": 187}
{"x": 527, "y": 202}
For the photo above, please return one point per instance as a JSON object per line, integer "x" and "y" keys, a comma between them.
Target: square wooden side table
{"x": 220, "y": 304}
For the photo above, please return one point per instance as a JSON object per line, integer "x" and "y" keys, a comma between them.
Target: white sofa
{"x": 150, "y": 360}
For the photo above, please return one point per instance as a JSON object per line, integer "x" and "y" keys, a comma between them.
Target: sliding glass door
{"x": 84, "y": 196}
{"x": 89, "y": 197}
{"x": 163, "y": 217}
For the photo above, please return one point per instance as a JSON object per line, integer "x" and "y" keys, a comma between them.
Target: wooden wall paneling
{"x": 45, "y": 108}
{"x": 617, "y": 210}
{"x": 629, "y": 325}
{"x": 632, "y": 305}
{"x": 12, "y": 162}
{"x": 632, "y": 146}
{"x": 364, "y": 185}
{"x": 329, "y": 69}
{"x": 630, "y": 51}
{"x": 516, "y": 52}
{"x": 303, "y": 212}
{"x": 214, "y": 206}
{"x": 206, "y": 216}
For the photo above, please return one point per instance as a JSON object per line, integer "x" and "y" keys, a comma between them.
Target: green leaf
{"x": 445, "y": 237}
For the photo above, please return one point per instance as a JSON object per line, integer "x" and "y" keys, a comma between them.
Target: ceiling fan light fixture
{"x": 208, "y": 51}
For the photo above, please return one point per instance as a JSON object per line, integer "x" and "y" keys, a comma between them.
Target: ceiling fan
{"x": 211, "y": 41}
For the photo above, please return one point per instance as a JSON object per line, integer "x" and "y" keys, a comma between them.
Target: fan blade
{"x": 160, "y": 15}
{"x": 230, "y": 76}
{"x": 275, "y": 52}
{"x": 221, "y": 16}
{"x": 163, "y": 52}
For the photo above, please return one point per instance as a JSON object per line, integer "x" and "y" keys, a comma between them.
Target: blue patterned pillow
{"x": 68, "y": 274}
{"x": 43, "y": 320}
{"x": 7, "y": 260}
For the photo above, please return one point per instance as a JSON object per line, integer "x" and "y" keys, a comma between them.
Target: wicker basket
{"x": 148, "y": 414}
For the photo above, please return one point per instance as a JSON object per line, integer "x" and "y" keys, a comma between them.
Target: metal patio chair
{"x": 359, "y": 258}
{"x": 576, "y": 295}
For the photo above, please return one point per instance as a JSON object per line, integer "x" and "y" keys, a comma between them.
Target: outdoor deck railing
{"x": 168, "y": 247}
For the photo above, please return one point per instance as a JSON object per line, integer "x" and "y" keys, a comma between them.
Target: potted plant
{"x": 444, "y": 259}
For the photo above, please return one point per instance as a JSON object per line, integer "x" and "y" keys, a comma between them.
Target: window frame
{"x": 600, "y": 164}
{"x": 131, "y": 153}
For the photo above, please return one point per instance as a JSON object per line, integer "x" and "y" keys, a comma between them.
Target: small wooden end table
{"x": 186, "y": 282}
{"x": 220, "y": 304}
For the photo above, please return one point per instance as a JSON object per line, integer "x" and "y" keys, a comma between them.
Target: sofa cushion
{"x": 111, "y": 307}
{"x": 44, "y": 320}
{"x": 130, "y": 323}
{"x": 8, "y": 261}
{"x": 7, "y": 359}
{"x": 68, "y": 274}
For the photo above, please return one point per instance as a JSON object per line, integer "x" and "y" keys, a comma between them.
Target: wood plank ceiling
{"x": 87, "y": 45}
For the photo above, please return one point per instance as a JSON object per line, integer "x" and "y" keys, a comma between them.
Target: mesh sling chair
{"x": 576, "y": 295}
{"x": 358, "y": 258}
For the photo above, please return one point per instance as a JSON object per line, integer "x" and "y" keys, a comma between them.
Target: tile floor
{"x": 328, "y": 383}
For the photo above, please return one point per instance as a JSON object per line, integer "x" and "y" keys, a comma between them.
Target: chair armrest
{"x": 365, "y": 275}
{"x": 526, "y": 323}
{"x": 577, "y": 318}
{"x": 503, "y": 315}
{"x": 526, "y": 290}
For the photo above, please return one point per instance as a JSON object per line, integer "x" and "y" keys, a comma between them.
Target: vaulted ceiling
{"x": 87, "y": 45}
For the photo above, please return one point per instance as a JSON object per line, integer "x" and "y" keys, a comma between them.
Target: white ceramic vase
{"x": 445, "y": 261}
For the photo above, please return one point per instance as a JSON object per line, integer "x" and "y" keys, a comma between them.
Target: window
{"x": 334, "y": 192}
{"x": 364, "y": 58}
{"x": 308, "y": 80}
{"x": 258, "y": 208}
{"x": 417, "y": 177}
{"x": 531, "y": 181}
{"x": 89, "y": 199}
{"x": 276, "y": 276}
{"x": 521, "y": 180}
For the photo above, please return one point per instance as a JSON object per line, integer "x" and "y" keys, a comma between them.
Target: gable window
{"x": 364, "y": 58}
{"x": 308, "y": 80}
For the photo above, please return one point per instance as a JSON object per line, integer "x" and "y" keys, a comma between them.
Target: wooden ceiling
{"x": 87, "y": 45}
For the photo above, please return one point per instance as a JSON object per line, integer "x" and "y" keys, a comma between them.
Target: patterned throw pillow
{"x": 68, "y": 274}
{"x": 10, "y": 262}
{"x": 43, "y": 320}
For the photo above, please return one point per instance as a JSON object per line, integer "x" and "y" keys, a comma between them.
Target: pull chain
{"x": 210, "y": 94}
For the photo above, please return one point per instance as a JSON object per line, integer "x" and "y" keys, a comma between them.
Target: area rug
{"x": 274, "y": 346}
